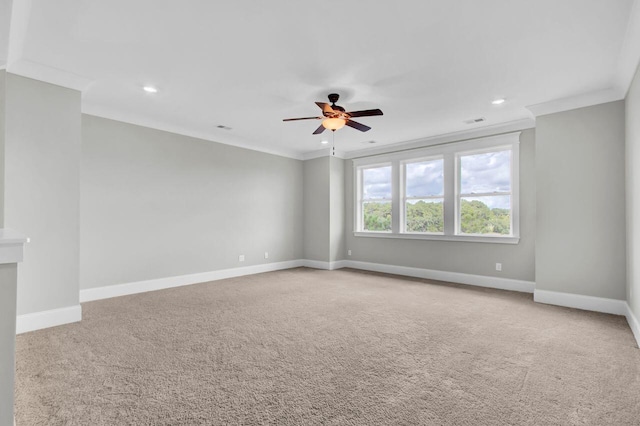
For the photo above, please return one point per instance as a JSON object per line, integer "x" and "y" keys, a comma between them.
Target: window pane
{"x": 484, "y": 173}
{"x": 425, "y": 215}
{"x": 424, "y": 179}
{"x": 376, "y": 216}
{"x": 489, "y": 215}
{"x": 376, "y": 183}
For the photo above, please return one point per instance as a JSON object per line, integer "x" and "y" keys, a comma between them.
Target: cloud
{"x": 425, "y": 178}
{"x": 376, "y": 182}
{"x": 485, "y": 173}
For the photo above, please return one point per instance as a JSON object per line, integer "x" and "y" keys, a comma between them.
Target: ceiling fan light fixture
{"x": 333, "y": 123}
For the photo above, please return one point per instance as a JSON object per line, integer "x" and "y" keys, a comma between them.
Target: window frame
{"x": 450, "y": 153}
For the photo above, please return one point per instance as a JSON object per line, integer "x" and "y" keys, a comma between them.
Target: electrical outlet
{"x": 266, "y": 254}
{"x": 498, "y": 266}
{"x": 349, "y": 252}
{"x": 241, "y": 258}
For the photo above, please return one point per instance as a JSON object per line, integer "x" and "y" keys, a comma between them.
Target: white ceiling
{"x": 429, "y": 65}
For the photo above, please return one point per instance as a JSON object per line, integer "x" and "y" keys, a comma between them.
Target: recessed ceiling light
{"x": 498, "y": 101}
{"x": 324, "y": 142}
{"x": 150, "y": 89}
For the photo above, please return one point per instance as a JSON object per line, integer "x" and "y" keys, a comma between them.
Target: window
{"x": 423, "y": 200}
{"x": 375, "y": 204}
{"x": 484, "y": 196}
{"x": 465, "y": 191}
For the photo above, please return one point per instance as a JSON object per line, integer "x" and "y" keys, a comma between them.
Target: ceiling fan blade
{"x": 365, "y": 113}
{"x": 319, "y": 130}
{"x": 358, "y": 126}
{"x": 303, "y": 118}
{"x": 326, "y": 108}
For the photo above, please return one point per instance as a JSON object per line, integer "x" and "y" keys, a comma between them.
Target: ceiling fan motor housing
{"x": 333, "y": 98}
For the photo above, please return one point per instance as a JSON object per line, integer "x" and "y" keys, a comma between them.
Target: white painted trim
{"x": 116, "y": 290}
{"x": 579, "y": 301}
{"x": 634, "y": 324}
{"x": 481, "y": 132}
{"x": 46, "y": 319}
{"x": 630, "y": 52}
{"x": 216, "y": 136}
{"x": 316, "y": 264}
{"x": 579, "y": 101}
{"x": 338, "y": 264}
{"x": 36, "y": 71}
{"x": 440, "y": 237}
{"x": 454, "y": 277}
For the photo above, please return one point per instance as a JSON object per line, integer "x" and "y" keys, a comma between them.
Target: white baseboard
{"x": 46, "y": 319}
{"x": 338, "y": 264}
{"x": 318, "y": 264}
{"x": 633, "y": 323}
{"x": 106, "y": 292}
{"x": 455, "y": 277}
{"x": 578, "y": 301}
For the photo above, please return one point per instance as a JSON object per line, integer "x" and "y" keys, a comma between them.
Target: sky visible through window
{"x": 487, "y": 173}
{"x": 376, "y": 183}
{"x": 425, "y": 179}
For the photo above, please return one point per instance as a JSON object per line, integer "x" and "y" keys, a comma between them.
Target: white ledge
{"x": 11, "y": 246}
{"x": 436, "y": 237}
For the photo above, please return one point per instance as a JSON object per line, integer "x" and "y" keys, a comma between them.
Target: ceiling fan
{"x": 335, "y": 117}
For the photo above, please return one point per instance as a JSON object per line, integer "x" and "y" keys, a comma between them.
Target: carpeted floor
{"x": 344, "y": 347}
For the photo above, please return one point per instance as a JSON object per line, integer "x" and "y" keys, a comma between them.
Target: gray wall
{"x": 156, "y": 204}
{"x": 580, "y": 241}
{"x": 632, "y": 125}
{"x": 42, "y": 158}
{"x": 337, "y": 212}
{"x": 7, "y": 340}
{"x": 3, "y": 80}
{"x": 454, "y": 256}
{"x": 317, "y": 209}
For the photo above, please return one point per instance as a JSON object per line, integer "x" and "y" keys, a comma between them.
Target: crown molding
{"x": 495, "y": 129}
{"x": 36, "y": 71}
{"x": 629, "y": 58}
{"x": 118, "y": 115}
{"x": 575, "y": 102}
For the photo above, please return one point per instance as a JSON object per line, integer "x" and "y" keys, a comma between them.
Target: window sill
{"x": 433, "y": 237}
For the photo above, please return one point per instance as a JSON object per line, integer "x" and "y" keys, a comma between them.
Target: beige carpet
{"x": 344, "y": 347}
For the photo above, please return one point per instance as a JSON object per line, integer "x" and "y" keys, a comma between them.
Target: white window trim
{"x": 450, "y": 152}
